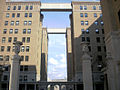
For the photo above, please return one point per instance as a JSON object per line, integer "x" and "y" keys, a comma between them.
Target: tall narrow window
{"x": 85, "y": 7}
{"x": 94, "y": 7}
{"x": 119, "y": 15}
{"x": 30, "y": 14}
{"x": 2, "y": 48}
{"x": 81, "y": 14}
{"x": 27, "y": 48}
{"x": 86, "y": 15}
{"x": 15, "y": 39}
{"x": 11, "y": 31}
{"x": 81, "y": 7}
{"x": 82, "y": 22}
{"x": 3, "y": 39}
{"x": 1, "y": 57}
{"x": 9, "y": 39}
{"x": 7, "y": 15}
{"x": 31, "y": 7}
{"x": 26, "y": 8}
{"x": 13, "y": 15}
{"x": 4, "y": 31}
{"x": 18, "y": 14}
{"x": 14, "y": 8}
{"x": 8, "y": 8}
{"x": 19, "y": 7}
{"x": 8, "y": 48}
{"x": 6, "y": 23}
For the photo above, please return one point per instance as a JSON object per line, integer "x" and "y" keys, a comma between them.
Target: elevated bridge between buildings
{"x": 56, "y": 31}
{"x": 56, "y": 7}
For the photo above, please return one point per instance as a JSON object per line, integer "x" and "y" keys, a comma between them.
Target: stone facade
{"x": 111, "y": 18}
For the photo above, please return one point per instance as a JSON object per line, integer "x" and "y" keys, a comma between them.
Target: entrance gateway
{"x": 70, "y": 85}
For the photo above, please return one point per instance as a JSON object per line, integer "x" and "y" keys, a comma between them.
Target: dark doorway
{"x": 99, "y": 86}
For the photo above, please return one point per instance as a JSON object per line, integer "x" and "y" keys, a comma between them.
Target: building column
{"x": 111, "y": 72}
{"x": 60, "y": 87}
{"x": 86, "y": 67}
{"x": 15, "y": 68}
{"x": 25, "y": 86}
{"x": 34, "y": 86}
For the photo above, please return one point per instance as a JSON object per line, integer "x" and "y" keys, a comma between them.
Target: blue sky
{"x": 57, "y": 67}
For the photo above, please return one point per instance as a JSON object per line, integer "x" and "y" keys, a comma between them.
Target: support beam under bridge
{"x": 56, "y": 7}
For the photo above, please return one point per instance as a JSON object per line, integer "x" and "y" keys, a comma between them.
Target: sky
{"x": 57, "y": 65}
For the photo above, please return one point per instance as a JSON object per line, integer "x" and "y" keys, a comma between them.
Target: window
{"x": 98, "y": 39}
{"x": 25, "y": 22}
{"x": 95, "y": 15}
{"x": 1, "y": 57}
{"x": 19, "y": 7}
{"x": 99, "y": 58}
{"x": 88, "y": 39}
{"x": 102, "y": 31}
{"x": 13, "y": 15}
{"x": 94, "y": 7}
{"x": 102, "y": 23}
{"x": 21, "y": 68}
{"x": 9, "y": 39}
{"x": 12, "y": 23}
{"x": 26, "y": 58}
{"x": 2, "y": 48}
{"x": 6, "y": 23}
{"x": 89, "y": 47}
{"x": 99, "y": 48}
{"x": 14, "y": 8}
{"x": 97, "y": 31}
{"x": 31, "y": 7}
{"x": 26, "y": 14}
{"x": 83, "y": 39}
{"x": 82, "y": 31}
{"x": 81, "y": 14}
{"x": 105, "y": 48}
{"x": 27, "y": 48}
{"x": 30, "y": 14}
{"x": 24, "y": 31}
{"x": 25, "y": 68}
{"x": 96, "y": 22}
{"x": 86, "y": 22}
{"x": 29, "y": 22}
{"x": 26, "y": 8}
{"x": 87, "y": 31}
{"x": 101, "y": 15}
{"x": 13, "y": 49}
{"x": 23, "y": 39}
{"x": 11, "y": 31}
{"x": 82, "y": 22}
{"x": 100, "y": 8}
{"x": 3, "y": 39}
{"x": 17, "y": 22}
{"x": 22, "y": 58}
{"x": 15, "y": 39}
{"x": 22, "y": 49}
{"x": 29, "y": 31}
{"x": 81, "y": 7}
{"x": 119, "y": 15}
{"x": 5, "y": 78}
{"x": 85, "y": 7}
{"x": 4, "y": 31}
{"x": 28, "y": 39}
{"x": 8, "y": 8}
{"x": 7, "y": 58}
{"x": 25, "y": 78}
{"x": 16, "y": 31}
{"x": 18, "y": 14}
{"x": 86, "y": 15}
{"x": 7, "y": 15}
{"x": 8, "y": 48}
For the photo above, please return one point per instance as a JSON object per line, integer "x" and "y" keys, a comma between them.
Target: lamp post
{"x": 15, "y": 68}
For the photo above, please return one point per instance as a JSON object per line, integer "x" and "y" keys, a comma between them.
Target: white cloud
{"x": 53, "y": 61}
